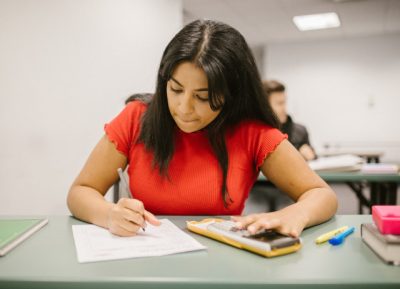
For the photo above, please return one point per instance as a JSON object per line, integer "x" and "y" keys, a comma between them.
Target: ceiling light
{"x": 316, "y": 21}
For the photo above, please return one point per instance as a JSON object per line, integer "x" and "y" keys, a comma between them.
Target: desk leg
{"x": 362, "y": 200}
{"x": 374, "y": 187}
{"x": 383, "y": 193}
{"x": 373, "y": 159}
{"x": 392, "y": 193}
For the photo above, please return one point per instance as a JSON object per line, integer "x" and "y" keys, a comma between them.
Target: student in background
{"x": 144, "y": 97}
{"x": 196, "y": 148}
{"x": 297, "y": 133}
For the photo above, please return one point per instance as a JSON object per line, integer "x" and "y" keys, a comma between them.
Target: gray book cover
{"x": 386, "y": 247}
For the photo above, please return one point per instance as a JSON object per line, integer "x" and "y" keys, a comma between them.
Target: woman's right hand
{"x": 128, "y": 216}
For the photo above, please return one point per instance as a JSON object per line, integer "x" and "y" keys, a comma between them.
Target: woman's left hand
{"x": 289, "y": 221}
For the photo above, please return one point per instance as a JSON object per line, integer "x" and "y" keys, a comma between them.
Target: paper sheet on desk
{"x": 340, "y": 163}
{"x": 94, "y": 243}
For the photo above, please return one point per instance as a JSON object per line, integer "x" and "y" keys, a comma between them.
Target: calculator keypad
{"x": 230, "y": 226}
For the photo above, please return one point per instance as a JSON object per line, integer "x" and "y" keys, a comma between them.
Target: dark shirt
{"x": 297, "y": 133}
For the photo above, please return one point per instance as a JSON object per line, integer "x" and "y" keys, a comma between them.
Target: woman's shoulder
{"x": 133, "y": 112}
{"x": 136, "y": 106}
{"x": 252, "y": 130}
{"x": 256, "y": 137}
{"x": 252, "y": 126}
{"x": 128, "y": 121}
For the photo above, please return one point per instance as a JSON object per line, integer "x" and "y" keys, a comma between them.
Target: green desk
{"x": 340, "y": 177}
{"x": 48, "y": 260}
{"x": 381, "y": 188}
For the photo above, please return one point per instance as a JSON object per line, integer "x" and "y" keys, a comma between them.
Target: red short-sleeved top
{"x": 195, "y": 177}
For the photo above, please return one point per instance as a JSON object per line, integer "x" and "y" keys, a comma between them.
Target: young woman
{"x": 196, "y": 148}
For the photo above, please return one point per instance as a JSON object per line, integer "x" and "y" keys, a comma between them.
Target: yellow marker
{"x": 325, "y": 237}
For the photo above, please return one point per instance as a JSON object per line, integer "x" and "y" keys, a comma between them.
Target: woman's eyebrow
{"x": 177, "y": 82}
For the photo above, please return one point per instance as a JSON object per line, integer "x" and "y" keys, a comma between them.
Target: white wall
{"x": 347, "y": 92}
{"x": 65, "y": 69}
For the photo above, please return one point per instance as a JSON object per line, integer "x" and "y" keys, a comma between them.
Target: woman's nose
{"x": 186, "y": 103}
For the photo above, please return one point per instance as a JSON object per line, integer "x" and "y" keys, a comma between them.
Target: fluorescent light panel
{"x": 316, "y": 21}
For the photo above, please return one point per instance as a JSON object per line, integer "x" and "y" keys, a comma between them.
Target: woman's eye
{"x": 176, "y": 90}
{"x": 204, "y": 99}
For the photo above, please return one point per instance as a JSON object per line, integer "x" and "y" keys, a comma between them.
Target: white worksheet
{"x": 94, "y": 243}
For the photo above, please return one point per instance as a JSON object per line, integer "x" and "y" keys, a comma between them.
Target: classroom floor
{"x": 259, "y": 200}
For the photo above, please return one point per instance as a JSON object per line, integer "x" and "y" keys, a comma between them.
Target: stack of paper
{"x": 380, "y": 168}
{"x": 340, "y": 163}
{"x": 98, "y": 244}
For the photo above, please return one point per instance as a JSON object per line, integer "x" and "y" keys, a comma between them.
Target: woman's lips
{"x": 186, "y": 120}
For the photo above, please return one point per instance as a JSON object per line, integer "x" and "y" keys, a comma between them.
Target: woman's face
{"x": 277, "y": 100}
{"x": 187, "y": 94}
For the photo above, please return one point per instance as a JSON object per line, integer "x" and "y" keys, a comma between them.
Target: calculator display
{"x": 276, "y": 239}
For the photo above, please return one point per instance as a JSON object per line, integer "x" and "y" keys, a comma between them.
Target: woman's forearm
{"x": 318, "y": 204}
{"x": 89, "y": 205}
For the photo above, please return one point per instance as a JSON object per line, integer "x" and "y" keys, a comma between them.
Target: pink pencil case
{"x": 387, "y": 219}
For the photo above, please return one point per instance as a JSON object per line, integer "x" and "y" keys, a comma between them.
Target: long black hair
{"x": 234, "y": 86}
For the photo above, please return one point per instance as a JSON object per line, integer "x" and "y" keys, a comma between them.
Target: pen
{"x": 325, "y": 237}
{"x": 337, "y": 240}
{"x": 125, "y": 184}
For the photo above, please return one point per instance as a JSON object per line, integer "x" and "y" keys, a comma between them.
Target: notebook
{"x": 387, "y": 247}
{"x": 14, "y": 231}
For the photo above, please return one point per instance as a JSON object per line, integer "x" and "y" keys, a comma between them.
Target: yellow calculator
{"x": 267, "y": 243}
